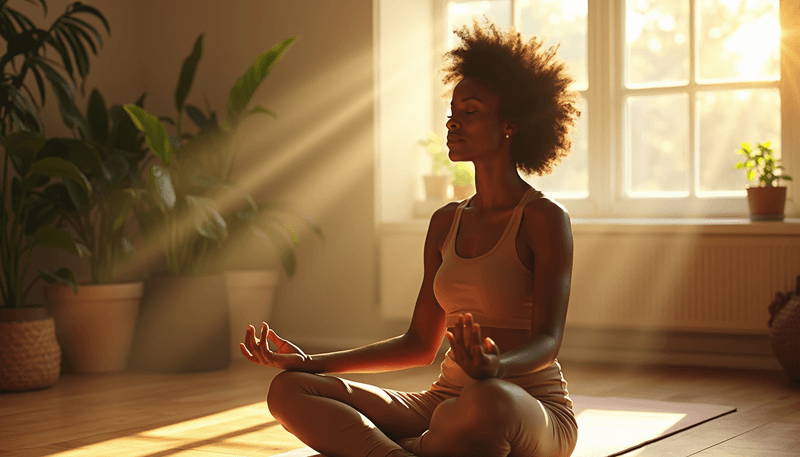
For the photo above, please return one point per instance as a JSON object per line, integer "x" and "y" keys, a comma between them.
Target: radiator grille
{"x": 680, "y": 282}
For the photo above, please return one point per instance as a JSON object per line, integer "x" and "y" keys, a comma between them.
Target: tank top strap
{"x": 455, "y": 224}
{"x": 516, "y": 216}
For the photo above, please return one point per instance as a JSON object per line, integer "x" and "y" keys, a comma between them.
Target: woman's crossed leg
{"x": 337, "y": 417}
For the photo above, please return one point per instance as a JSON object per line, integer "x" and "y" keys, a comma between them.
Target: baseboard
{"x": 678, "y": 348}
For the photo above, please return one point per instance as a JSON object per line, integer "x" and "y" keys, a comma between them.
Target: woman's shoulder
{"x": 442, "y": 220}
{"x": 544, "y": 210}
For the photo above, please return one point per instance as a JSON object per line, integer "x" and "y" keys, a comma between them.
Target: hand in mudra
{"x": 480, "y": 359}
{"x": 287, "y": 357}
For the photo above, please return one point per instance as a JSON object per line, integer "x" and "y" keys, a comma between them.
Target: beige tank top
{"x": 495, "y": 287}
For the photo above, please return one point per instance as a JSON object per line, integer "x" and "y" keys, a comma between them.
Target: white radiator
{"x": 670, "y": 279}
{"x": 680, "y": 282}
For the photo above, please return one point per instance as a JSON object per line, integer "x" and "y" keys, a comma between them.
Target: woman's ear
{"x": 510, "y": 128}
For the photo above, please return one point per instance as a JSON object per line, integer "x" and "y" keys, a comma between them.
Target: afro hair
{"x": 533, "y": 85}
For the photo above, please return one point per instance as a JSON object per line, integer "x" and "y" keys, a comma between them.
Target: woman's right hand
{"x": 287, "y": 357}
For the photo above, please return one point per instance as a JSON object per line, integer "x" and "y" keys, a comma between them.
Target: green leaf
{"x": 739, "y": 165}
{"x": 207, "y": 219}
{"x": 154, "y": 131}
{"x": 120, "y": 211}
{"x": 63, "y": 275}
{"x": 53, "y": 237}
{"x": 246, "y": 85}
{"x": 198, "y": 117}
{"x": 751, "y": 174}
{"x": 56, "y": 167}
{"x": 261, "y": 109}
{"x": 162, "y": 189}
{"x": 187, "y": 73}
{"x": 97, "y": 115}
{"x": 78, "y": 7}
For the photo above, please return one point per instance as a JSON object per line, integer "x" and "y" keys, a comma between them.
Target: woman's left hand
{"x": 480, "y": 359}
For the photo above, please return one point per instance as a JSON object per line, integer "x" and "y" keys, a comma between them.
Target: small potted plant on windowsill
{"x": 436, "y": 182}
{"x": 463, "y": 180}
{"x": 766, "y": 201}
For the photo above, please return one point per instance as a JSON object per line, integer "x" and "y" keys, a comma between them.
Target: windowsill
{"x": 643, "y": 226}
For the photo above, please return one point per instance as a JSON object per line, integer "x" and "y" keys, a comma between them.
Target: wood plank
{"x": 225, "y": 413}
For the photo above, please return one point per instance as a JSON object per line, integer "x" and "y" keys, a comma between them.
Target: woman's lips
{"x": 454, "y": 138}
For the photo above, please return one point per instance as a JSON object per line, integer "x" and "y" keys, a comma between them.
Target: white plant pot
{"x": 251, "y": 295}
{"x": 95, "y": 327}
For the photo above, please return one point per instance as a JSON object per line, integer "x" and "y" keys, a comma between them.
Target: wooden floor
{"x": 224, "y": 412}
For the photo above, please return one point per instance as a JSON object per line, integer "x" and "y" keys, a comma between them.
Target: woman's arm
{"x": 417, "y": 347}
{"x": 549, "y": 233}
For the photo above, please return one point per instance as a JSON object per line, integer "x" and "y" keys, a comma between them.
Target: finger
{"x": 491, "y": 346}
{"x": 455, "y": 347}
{"x": 247, "y": 353}
{"x": 249, "y": 338}
{"x": 476, "y": 335}
{"x": 251, "y": 344}
{"x": 255, "y": 347}
{"x": 468, "y": 330}
{"x": 458, "y": 331}
{"x": 263, "y": 343}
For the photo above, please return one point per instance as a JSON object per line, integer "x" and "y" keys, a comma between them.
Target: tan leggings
{"x": 517, "y": 417}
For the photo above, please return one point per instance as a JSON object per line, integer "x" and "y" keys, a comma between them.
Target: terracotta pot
{"x": 766, "y": 203}
{"x": 95, "y": 327}
{"x": 30, "y": 357}
{"x": 251, "y": 294}
{"x": 183, "y": 325}
{"x": 435, "y": 187}
{"x": 462, "y": 192}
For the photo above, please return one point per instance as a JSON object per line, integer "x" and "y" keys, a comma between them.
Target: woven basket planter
{"x": 784, "y": 327}
{"x": 30, "y": 357}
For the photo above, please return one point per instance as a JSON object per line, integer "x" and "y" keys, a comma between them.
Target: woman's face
{"x": 474, "y": 128}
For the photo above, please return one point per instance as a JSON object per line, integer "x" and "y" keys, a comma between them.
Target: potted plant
{"x": 784, "y": 330}
{"x": 95, "y": 324}
{"x": 199, "y": 174}
{"x": 463, "y": 180}
{"x": 30, "y": 357}
{"x": 436, "y": 182}
{"x": 767, "y": 200}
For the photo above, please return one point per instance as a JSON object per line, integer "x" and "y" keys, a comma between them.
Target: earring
{"x": 506, "y": 136}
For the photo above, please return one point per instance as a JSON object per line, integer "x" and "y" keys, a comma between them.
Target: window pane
{"x": 559, "y": 21}
{"x": 657, "y": 42}
{"x": 462, "y": 13}
{"x": 738, "y": 39}
{"x": 570, "y": 178}
{"x": 726, "y": 119}
{"x": 657, "y": 158}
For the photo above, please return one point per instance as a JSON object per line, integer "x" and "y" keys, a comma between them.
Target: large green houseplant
{"x": 95, "y": 324}
{"x": 187, "y": 208}
{"x": 30, "y": 176}
{"x": 767, "y": 200}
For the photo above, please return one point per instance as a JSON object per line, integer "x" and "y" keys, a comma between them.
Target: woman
{"x": 496, "y": 283}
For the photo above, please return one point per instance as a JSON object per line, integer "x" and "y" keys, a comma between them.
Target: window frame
{"x": 607, "y": 134}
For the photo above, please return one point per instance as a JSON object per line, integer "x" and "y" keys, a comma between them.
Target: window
{"x": 668, "y": 91}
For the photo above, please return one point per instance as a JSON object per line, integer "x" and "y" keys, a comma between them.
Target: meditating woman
{"x": 496, "y": 283}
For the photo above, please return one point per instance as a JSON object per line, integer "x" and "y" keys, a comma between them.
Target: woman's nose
{"x": 451, "y": 124}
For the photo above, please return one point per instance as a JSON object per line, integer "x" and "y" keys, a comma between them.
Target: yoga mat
{"x": 611, "y": 426}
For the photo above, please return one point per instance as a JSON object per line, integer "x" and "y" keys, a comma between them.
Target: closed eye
{"x": 450, "y": 116}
